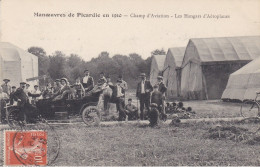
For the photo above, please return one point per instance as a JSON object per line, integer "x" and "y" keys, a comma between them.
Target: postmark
{"x": 25, "y": 147}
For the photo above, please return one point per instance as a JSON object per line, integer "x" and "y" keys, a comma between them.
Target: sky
{"x": 89, "y": 36}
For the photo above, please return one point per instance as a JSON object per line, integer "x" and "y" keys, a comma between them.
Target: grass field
{"x": 222, "y": 143}
{"x": 189, "y": 144}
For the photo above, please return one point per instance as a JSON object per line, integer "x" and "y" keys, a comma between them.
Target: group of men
{"x": 145, "y": 93}
{"x": 149, "y": 95}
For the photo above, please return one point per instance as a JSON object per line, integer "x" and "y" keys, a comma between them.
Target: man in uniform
{"x": 143, "y": 93}
{"x": 6, "y": 87}
{"x": 87, "y": 82}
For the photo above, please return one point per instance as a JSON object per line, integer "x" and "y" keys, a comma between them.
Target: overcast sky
{"x": 87, "y": 37}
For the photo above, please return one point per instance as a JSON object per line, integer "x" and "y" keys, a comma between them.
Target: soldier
{"x": 3, "y": 100}
{"x": 6, "y": 87}
{"x": 87, "y": 82}
{"x": 143, "y": 93}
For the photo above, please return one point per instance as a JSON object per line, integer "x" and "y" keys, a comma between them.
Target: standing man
{"x": 162, "y": 88}
{"x": 117, "y": 97}
{"x": 87, "y": 81}
{"x": 123, "y": 84}
{"x": 23, "y": 102}
{"x": 143, "y": 93}
{"x": 6, "y": 87}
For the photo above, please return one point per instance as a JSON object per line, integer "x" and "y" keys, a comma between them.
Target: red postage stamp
{"x": 25, "y": 147}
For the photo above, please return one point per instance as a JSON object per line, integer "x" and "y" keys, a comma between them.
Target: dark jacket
{"x": 20, "y": 94}
{"x": 114, "y": 90}
{"x": 157, "y": 98}
{"x": 147, "y": 86}
{"x": 89, "y": 85}
{"x": 162, "y": 88}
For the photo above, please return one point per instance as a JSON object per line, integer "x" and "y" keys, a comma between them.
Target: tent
{"x": 208, "y": 62}
{"x": 244, "y": 83}
{"x": 17, "y": 64}
{"x": 172, "y": 71}
{"x": 156, "y": 67}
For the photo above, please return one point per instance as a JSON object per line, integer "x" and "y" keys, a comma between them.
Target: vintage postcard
{"x": 129, "y": 82}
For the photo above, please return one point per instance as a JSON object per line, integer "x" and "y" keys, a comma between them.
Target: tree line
{"x": 58, "y": 65}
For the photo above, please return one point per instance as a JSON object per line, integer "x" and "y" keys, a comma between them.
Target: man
{"x": 131, "y": 110}
{"x": 47, "y": 93}
{"x": 87, "y": 81}
{"x": 162, "y": 88}
{"x": 36, "y": 93}
{"x": 102, "y": 79}
{"x": 23, "y": 102}
{"x": 117, "y": 97}
{"x": 64, "y": 91}
{"x": 3, "y": 100}
{"x": 6, "y": 87}
{"x": 143, "y": 93}
{"x": 57, "y": 86}
{"x": 12, "y": 100}
{"x": 123, "y": 84}
{"x": 157, "y": 96}
{"x": 154, "y": 115}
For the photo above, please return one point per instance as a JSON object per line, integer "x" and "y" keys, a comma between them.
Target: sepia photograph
{"x": 130, "y": 83}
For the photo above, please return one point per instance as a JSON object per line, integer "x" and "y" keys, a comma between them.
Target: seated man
{"x": 47, "y": 93}
{"x": 79, "y": 89}
{"x": 131, "y": 110}
{"x": 64, "y": 91}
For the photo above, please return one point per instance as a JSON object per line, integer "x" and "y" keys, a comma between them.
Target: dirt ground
{"x": 221, "y": 143}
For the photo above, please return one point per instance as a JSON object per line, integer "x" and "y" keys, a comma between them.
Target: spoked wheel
{"x": 249, "y": 109}
{"x": 91, "y": 115}
{"x": 13, "y": 119}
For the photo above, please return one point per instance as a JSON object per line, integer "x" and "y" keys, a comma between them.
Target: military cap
{"x": 86, "y": 70}
{"x": 13, "y": 86}
{"x": 57, "y": 80}
{"x": 22, "y": 83}
{"x": 36, "y": 86}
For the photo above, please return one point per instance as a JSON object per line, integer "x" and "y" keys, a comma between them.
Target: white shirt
{"x": 142, "y": 86}
{"x": 85, "y": 79}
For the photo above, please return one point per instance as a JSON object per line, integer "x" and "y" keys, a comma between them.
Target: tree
{"x": 43, "y": 60}
{"x": 57, "y": 65}
{"x": 158, "y": 52}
